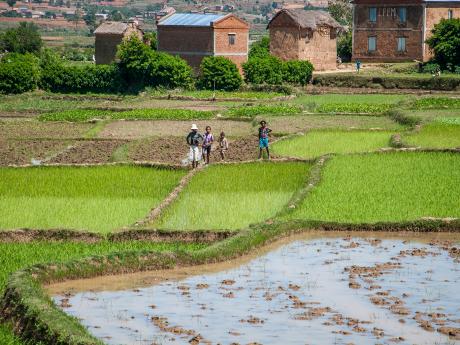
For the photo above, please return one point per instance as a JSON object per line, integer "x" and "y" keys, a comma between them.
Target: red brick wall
{"x": 434, "y": 16}
{"x": 387, "y": 29}
{"x": 185, "y": 39}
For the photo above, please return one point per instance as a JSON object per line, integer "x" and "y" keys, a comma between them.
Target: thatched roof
{"x": 112, "y": 28}
{"x": 309, "y": 19}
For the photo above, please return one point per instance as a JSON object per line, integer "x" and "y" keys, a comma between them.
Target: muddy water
{"x": 315, "y": 289}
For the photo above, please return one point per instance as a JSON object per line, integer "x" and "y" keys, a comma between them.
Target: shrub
{"x": 344, "y": 47}
{"x": 297, "y": 72}
{"x": 18, "y": 73}
{"x": 260, "y": 49}
{"x": 219, "y": 73}
{"x": 267, "y": 70}
{"x": 23, "y": 39}
{"x": 445, "y": 42}
{"x": 81, "y": 79}
{"x": 169, "y": 72}
{"x": 431, "y": 68}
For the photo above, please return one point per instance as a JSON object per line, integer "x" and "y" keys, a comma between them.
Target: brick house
{"x": 396, "y": 30}
{"x": 305, "y": 35}
{"x": 109, "y": 35}
{"x": 195, "y": 36}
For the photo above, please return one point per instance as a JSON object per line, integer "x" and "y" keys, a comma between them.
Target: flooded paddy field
{"x": 316, "y": 288}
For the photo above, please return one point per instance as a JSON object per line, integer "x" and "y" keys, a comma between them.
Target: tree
{"x": 341, "y": 11}
{"x": 268, "y": 70}
{"x": 260, "y": 48}
{"x": 151, "y": 39}
{"x": 11, "y": 3}
{"x": 219, "y": 73}
{"x": 23, "y": 39}
{"x": 445, "y": 43}
{"x": 344, "y": 47}
{"x": 297, "y": 72}
{"x": 18, "y": 73}
{"x": 134, "y": 58}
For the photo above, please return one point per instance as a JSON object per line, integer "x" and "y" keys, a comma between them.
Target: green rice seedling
{"x": 98, "y": 199}
{"x": 234, "y": 196}
{"x": 429, "y": 115}
{"x": 264, "y": 109}
{"x": 207, "y": 94}
{"x": 385, "y": 187}
{"x": 436, "y": 135}
{"x": 449, "y": 120}
{"x": 319, "y": 142}
{"x": 436, "y": 103}
{"x": 78, "y": 115}
{"x": 359, "y": 99}
{"x": 353, "y": 108}
{"x": 16, "y": 256}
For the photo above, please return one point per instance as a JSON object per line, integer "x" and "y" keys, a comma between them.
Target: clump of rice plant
{"x": 319, "y": 142}
{"x": 264, "y": 109}
{"x": 389, "y": 187}
{"x": 439, "y": 135}
{"x": 98, "y": 199}
{"x": 234, "y": 196}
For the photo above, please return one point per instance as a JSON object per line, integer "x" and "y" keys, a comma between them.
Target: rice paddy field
{"x": 233, "y": 197}
{"x": 359, "y": 184}
{"x": 98, "y": 199}
{"x": 389, "y": 187}
{"x": 319, "y": 142}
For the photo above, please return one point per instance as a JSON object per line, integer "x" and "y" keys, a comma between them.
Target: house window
{"x": 372, "y": 44}
{"x": 231, "y": 39}
{"x": 373, "y": 14}
{"x": 450, "y": 14}
{"x": 402, "y": 14}
{"x": 401, "y": 44}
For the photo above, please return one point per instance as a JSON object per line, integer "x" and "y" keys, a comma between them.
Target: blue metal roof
{"x": 191, "y": 19}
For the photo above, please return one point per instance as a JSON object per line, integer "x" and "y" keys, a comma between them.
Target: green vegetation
{"x": 351, "y": 99}
{"x": 436, "y": 135}
{"x": 78, "y": 115}
{"x": 445, "y": 43}
{"x": 351, "y": 108}
{"x": 15, "y": 256}
{"x": 18, "y": 73}
{"x": 436, "y": 103}
{"x": 23, "y": 39}
{"x": 261, "y": 109}
{"x": 234, "y": 196}
{"x": 206, "y": 94}
{"x": 389, "y": 187}
{"x": 319, "y": 142}
{"x": 98, "y": 199}
{"x": 449, "y": 120}
{"x": 219, "y": 73}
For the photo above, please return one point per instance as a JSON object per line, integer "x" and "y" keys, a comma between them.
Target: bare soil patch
{"x": 174, "y": 149}
{"x": 41, "y": 130}
{"x": 143, "y": 129}
{"x": 88, "y": 151}
{"x": 20, "y": 152}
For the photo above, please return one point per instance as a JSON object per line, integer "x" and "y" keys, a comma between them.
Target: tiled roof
{"x": 191, "y": 19}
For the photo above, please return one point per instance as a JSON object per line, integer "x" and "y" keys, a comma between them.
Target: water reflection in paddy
{"x": 328, "y": 290}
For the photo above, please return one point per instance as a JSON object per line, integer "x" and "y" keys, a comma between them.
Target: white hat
{"x": 194, "y": 126}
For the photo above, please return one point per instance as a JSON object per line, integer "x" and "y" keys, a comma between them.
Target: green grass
{"x": 261, "y": 109}
{"x": 15, "y": 256}
{"x": 98, "y": 199}
{"x": 353, "y": 108}
{"x": 389, "y": 187}
{"x": 436, "y": 135}
{"x": 428, "y": 115}
{"x": 319, "y": 142}
{"x": 234, "y": 196}
{"x": 79, "y": 115}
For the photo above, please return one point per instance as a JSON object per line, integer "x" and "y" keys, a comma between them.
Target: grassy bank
{"x": 98, "y": 199}
{"x": 391, "y": 187}
{"x": 234, "y": 196}
{"x": 319, "y": 142}
{"x": 15, "y": 256}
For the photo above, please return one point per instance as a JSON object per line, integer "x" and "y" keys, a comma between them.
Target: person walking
{"x": 208, "y": 139}
{"x": 263, "y": 138}
{"x": 194, "y": 140}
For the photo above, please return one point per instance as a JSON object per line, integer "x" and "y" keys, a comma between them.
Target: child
{"x": 194, "y": 139}
{"x": 207, "y": 143}
{"x": 263, "y": 138}
{"x": 223, "y": 145}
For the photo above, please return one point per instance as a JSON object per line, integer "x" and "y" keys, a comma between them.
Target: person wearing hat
{"x": 263, "y": 138}
{"x": 194, "y": 140}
